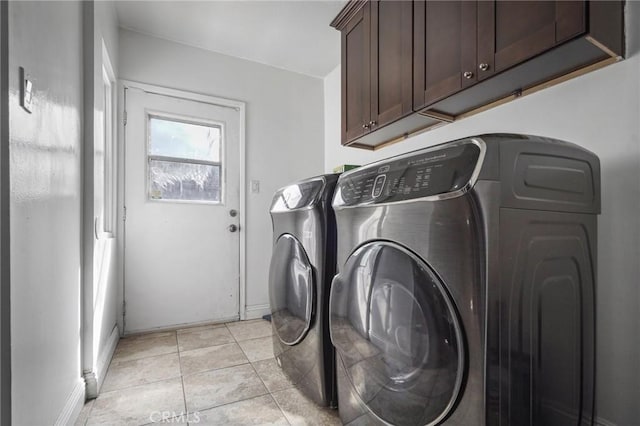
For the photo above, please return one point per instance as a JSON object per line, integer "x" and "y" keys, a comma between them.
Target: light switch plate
{"x": 255, "y": 186}
{"x": 26, "y": 91}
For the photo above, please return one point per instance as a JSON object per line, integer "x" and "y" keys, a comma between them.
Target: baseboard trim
{"x": 180, "y": 326}
{"x": 599, "y": 421}
{"x": 257, "y": 311}
{"x": 73, "y": 406}
{"x": 107, "y": 355}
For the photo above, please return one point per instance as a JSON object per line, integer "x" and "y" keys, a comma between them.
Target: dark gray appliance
{"x": 465, "y": 292}
{"x": 302, "y": 267}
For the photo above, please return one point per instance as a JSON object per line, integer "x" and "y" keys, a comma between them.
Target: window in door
{"x": 184, "y": 160}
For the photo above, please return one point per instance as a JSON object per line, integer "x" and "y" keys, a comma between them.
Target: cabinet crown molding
{"x": 351, "y": 8}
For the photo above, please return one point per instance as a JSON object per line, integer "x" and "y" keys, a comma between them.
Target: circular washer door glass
{"x": 291, "y": 287}
{"x": 397, "y": 335}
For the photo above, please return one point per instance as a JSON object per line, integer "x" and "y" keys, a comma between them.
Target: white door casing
{"x": 182, "y": 265}
{"x": 99, "y": 264}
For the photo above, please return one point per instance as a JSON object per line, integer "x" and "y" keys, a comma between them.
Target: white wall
{"x": 45, "y": 211}
{"x": 601, "y": 112}
{"x": 284, "y": 130}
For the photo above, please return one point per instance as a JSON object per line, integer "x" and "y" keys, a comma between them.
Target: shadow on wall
{"x": 618, "y": 302}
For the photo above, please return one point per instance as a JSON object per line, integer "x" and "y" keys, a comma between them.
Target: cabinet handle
{"x": 483, "y": 66}
{"x": 467, "y": 74}
{"x": 372, "y": 123}
{"x": 365, "y": 126}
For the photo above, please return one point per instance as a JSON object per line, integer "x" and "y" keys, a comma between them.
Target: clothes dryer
{"x": 465, "y": 292}
{"x": 302, "y": 267}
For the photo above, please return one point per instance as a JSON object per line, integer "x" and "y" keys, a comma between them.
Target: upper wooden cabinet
{"x": 444, "y": 49}
{"x": 510, "y": 32}
{"x": 376, "y": 71}
{"x": 408, "y": 66}
{"x": 391, "y": 50}
{"x": 356, "y": 90}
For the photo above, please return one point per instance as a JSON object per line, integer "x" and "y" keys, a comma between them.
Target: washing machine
{"x": 465, "y": 285}
{"x": 302, "y": 268}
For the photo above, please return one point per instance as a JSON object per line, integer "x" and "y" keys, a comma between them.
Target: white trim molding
{"x": 223, "y": 102}
{"x": 73, "y": 406}
{"x": 107, "y": 355}
{"x": 95, "y": 378}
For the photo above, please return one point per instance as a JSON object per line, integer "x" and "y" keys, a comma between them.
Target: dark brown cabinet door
{"x": 391, "y": 61}
{"x": 444, "y": 49}
{"x": 356, "y": 86}
{"x": 510, "y": 32}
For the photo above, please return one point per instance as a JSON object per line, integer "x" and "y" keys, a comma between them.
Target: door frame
{"x": 239, "y": 106}
{"x": 5, "y": 246}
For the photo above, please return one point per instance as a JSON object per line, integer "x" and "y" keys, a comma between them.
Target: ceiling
{"x": 293, "y": 35}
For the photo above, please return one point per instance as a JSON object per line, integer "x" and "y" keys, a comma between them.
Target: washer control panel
{"x": 425, "y": 173}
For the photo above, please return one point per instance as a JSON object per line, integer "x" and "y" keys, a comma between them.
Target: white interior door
{"x": 182, "y": 174}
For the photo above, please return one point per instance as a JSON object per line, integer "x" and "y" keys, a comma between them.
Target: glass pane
{"x": 169, "y": 180}
{"x": 396, "y": 335}
{"x": 170, "y": 138}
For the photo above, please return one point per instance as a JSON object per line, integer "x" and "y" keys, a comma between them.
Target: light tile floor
{"x": 211, "y": 375}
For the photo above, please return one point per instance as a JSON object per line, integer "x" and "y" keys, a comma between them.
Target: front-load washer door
{"x": 291, "y": 290}
{"x": 397, "y": 335}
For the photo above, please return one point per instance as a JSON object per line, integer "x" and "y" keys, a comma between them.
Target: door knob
{"x": 467, "y": 74}
{"x": 232, "y": 228}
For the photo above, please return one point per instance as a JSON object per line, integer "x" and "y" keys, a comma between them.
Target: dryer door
{"x": 397, "y": 335}
{"x": 291, "y": 286}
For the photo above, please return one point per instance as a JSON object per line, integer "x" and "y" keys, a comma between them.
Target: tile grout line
{"x": 215, "y": 369}
{"x": 199, "y": 328}
{"x": 115, "y": 364}
{"x": 231, "y": 333}
{"x": 140, "y": 384}
{"x": 114, "y": 358}
{"x": 257, "y": 374}
{"x": 235, "y": 402}
{"x": 270, "y": 393}
{"x": 111, "y": 364}
{"x": 235, "y": 341}
{"x": 141, "y": 358}
{"x": 178, "y": 353}
{"x": 210, "y": 346}
{"x": 265, "y": 385}
{"x": 282, "y": 410}
{"x": 184, "y": 395}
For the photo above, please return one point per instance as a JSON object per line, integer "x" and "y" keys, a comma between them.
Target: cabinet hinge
{"x": 124, "y": 214}
{"x": 124, "y": 117}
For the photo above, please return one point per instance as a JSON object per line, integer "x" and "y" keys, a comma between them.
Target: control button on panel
{"x": 378, "y": 185}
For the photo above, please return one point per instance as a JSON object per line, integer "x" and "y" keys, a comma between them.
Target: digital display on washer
{"x": 427, "y": 173}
